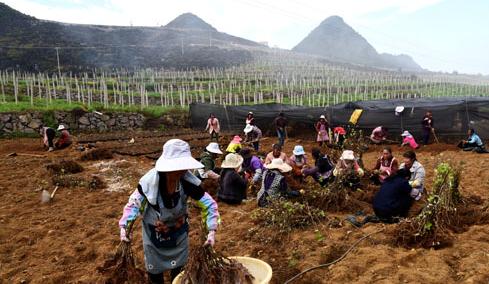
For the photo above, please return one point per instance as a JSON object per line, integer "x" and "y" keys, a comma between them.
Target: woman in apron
{"x": 386, "y": 166}
{"x": 322, "y": 128}
{"x": 161, "y": 200}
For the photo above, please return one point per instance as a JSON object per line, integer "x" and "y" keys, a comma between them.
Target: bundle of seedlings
{"x": 357, "y": 142}
{"x": 284, "y": 215}
{"x": 121, "y": 268}
{"x": 206, "y": 266}
{"x": 431, "y": 228}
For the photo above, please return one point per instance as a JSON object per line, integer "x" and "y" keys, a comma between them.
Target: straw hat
{"x": 236, "y": 139}
{"x": 347, "y": 155}
{"x": 248, "y": 129}
{"x": 232, "y": 161}
{"x": 322, "y": 117}
{"x": 405, "y": 133}
{"x": 213, "y": 147}
{"x": 176, "y": 156}
{"x": 61, "y": 127}
{"x": 250, "y": 112}
{"x": 298, "y": 150}
{"x": 279, "y": 165}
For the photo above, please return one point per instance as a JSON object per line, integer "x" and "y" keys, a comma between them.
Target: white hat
{"x": 61, "y": 127}
{"x": 298, "y": 150}
{"x": 406, "y": 133}
{"x": 213, "y": 147}
{"x": 250, "y": 112}
{"x": 248, "y": 128}
{"x": 347, "y": 155}
{"x": 232, "y": 161}
{"x": 322, "y": 116}
{"x": 279, "y": 165}
{"x": 176, "y": 157}
{"x": 399, "y": 109}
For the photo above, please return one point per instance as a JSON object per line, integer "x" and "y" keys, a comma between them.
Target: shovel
{"x": 434, "y": 136}
{"x": 46, "y": 197}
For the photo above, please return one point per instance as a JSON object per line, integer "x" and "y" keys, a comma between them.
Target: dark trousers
{"x": 281, "y": 136}
{"x": 214, "y": 136}
{"x": 426, "y": 136}
{"x": 158, "y": 278}
{"x": 467, "y": 146}
{"x": 50, "y": 133}
{"x": 256, "y": 146}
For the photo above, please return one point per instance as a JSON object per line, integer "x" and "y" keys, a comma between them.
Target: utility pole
{"x": 57, "y": 57}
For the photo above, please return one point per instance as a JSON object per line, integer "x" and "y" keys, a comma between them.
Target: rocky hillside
{"x": 337, "y": 41}
{"x": 185, "y": 42}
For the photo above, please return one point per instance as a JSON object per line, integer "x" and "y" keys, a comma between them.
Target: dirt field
{"x": 65, "y": 240}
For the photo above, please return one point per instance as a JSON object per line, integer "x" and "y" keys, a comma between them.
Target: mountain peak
{"x": 333, "y": 20}
{"x": 190, "y": 21}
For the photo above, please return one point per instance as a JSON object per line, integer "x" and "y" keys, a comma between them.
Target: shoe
{"x": 51, "y": 149}
{"x": 352, "y": 220}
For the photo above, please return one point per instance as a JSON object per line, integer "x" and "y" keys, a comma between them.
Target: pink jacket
{"x": 213, "y": 125}
{"x": 409, "y": 140}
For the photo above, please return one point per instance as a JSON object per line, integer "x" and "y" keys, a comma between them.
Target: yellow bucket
{"x": 258, "y": 268}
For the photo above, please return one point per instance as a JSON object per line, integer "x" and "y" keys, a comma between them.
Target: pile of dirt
{"x": 64, "y": 167}
{"x": 97, "y": 154}
{"x": 121, "y": 268}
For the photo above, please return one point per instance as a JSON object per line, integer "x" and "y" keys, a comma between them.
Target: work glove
{"x": 210, "y": 238}
{"x": 124, "y": 236}
{"x": 414, "y": 183}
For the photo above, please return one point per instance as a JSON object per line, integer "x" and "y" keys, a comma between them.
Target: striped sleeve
{"x": 210, "y": 214}
{"x": 134, "y": 207}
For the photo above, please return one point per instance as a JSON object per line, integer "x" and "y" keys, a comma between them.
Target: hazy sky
{"x": 441, "y": 35}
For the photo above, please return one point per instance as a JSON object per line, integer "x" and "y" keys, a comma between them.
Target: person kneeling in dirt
{"x": 322, "y": 172}
{"x": 473, "y": 143}
{"x": 232, "y": 186}
{"x": 48, "y": 135}
{"x": 417, "y": 171}
{"x": 386, "y": 166}
{"x": 297, "y": 161}
{"x": 276, "y": 154}
{"x": 392, "y": 202}
{"x": 235, "y": 145}
{"x": 252, "y": 167}
{"x": 348, "y": 170}
{"x": 408, "y": 140}
{"x": 208, "y": 159}
{"x": 379, "y": 135}
{"x": 65, "y": 139}
{"x": 274, "y": 183}
{"x": 161, "y": 199}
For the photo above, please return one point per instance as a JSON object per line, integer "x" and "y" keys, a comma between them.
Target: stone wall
{"x": 29, "y": 122}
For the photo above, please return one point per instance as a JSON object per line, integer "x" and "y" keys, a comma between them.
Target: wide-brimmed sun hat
{"x": 322, "y": 117}
{"x": 250, "y": 112}
{"x": 279, "y": 165}
{"x": 232, "y": 161}
{"x": 399, "y": 109}
{"x": 298, "y": 150}
{"x": 176, "y": 156}
{"x": 236, "y": 139}
{"x": 248, "y": 129}
{"x": 347, "y": 155}
{"x": 405, "y": 133}
{"x": 61, "y": 127}
{"x": 213, "y": 147}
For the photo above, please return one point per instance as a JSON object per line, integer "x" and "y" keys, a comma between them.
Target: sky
{"x": 440, "y": 35}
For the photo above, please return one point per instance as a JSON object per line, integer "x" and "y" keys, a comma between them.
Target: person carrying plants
{"x": 417, "y": 171}
{"x": 379, "y": 135}
{"x": 47, "y": 134}
{"x": 322, "y": 129}
{"x": 276, "y": 154}
{"x": 232, "y": 186}
{"x": 65, "y": 138}
{"x": 339, "y": 135}
{"x": 473, "y": 143}
{"x": 253, "y": 135}
{"x": 252, "y": 167}
{"x": 348, "y": 169}
{"x": 280, "y": 123}
{"x": 208, "y": 159}
{"x": 213, "y": 127}
{"x": 386, "y": 166}
{"x": 274, "y": 183}
{"x": 161, "y": 200}
{"x": 408, "y": 140}
{"x": 322, "y": 172}
{"x": 428, "y": 127}
{"x": 235, "y": 145}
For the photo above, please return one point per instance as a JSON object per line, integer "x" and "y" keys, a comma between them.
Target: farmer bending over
{"x": 252, "y": 167}
{"x": 48, "y": 135}
{"x": 232, "y": 186}
{"x": 386, "y": 166}
{"x": 253, "y": 135}
{"x": 208, "y": 159}
{"x": 274, "y": 183}
{"x": 235, "y": 145}
{"x": 322, "y": 172}
{"x": 339, "y": 135}
{"x": 276, "y": 154}
{"x": 161, "y": 200}
{"x": 379, "y": 135}
{"x": 408, "y": 140}
{"x": 65, "y": 139}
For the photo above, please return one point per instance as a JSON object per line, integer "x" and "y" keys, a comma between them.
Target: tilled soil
{"x": 64, "y": 241}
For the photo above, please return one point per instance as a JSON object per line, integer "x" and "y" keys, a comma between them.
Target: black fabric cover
{"x": 452, "y": 116}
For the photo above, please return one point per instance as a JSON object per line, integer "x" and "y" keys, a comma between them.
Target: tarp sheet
{"x": 452, "y": 116}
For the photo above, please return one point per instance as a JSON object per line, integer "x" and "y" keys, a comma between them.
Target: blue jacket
{"x": 394, "y": 198}
{"x": 474, "y": 138}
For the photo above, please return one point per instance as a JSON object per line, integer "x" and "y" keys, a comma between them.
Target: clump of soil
{"x": 97, "y": 154}
{"x": 68, "y": 181}
{"x": 64, "y": 167}
{"x": 121, "y": 269}
{"x": 96, "y": 183}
